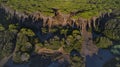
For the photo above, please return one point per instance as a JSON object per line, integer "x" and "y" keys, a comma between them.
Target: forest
{"x": 63, "y": 32}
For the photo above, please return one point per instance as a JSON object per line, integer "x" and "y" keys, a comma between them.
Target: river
{"x": 98, "y": 60}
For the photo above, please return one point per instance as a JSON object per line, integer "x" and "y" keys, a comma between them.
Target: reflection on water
{"x": 10, "y": 63}
{"x": 98, "y": 60}
{"x": 39, "y": 61}
{"x": 103, "y": 56}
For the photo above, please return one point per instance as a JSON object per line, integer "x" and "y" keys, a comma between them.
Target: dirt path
{"x": 88, "y": 47}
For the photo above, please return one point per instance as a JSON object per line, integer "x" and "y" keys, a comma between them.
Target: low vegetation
{"x": 23, "y": 40}
{"x": 87, "y": 8}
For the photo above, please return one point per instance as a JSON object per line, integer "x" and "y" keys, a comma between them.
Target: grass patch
{"x": 89, "y": 7}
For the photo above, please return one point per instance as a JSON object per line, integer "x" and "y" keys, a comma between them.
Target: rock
{"x": 25, "y": 57}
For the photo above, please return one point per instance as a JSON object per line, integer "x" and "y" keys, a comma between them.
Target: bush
{"x": 27, "y": 32}
{"x": 7, "y": 43}
{"x": 25, "y": 57}
{"x": 73, "y": 42}
{"x": 13, "y": 28}
{"x": 112, "y": 29}
{"x": 27, "y": 47}
{"x": 103, "y": 42}
{"x": 77, "y": 61}
{"x": 22, "y": 45}
{"x": 17, "y": 57}
{"x": 1, "y": 27}
{"x": 115, "y": 49}
{"x": 38, "y": 46}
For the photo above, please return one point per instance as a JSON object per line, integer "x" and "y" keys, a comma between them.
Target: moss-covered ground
{"x": 87, "y": 8}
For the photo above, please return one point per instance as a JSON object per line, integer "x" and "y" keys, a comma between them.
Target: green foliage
{"x": 17, "y": 57}
{"x": 77, "y": 61}
{"x": 103, "y": 42}
{"x": 53, "y": 43}
{"x": 1, "y": 27}
{"x": 27, "y": 47}
{"x": 64, "y": 32}
{"x": 53, "y": 30}
{"x": 115, "y": 49}
{"x": 89, "y": 8}
{"x": 23, "y": 40}
{"x": 39, "y": 44}
{"x": 90, "y": 29}
{"x": 27, "y": 32}
{"x": 44, "y": 30}
{"x": 7, "y": 49}
{"x": 22, "y": 45}
{"x": 13, "y": 28}
{"x": 112, "y": 29}
{"x": 75, "y": 32}
{"x": 87, "y": 14}
{"x": 73, "y": 41}
{"x": 69, "y": 42}
{"x": 25, "y": 57}
{"x": 6, "y": 43}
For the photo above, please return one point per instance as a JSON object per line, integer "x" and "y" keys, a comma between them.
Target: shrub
{"x": 27, "y": 32}
{"x": 77, "y": 61}
{"x": 13, "y": 28}
{"x": 115, "y": 49}
{"x": 17, "y": 57}
{"x": 103, "y": 42}
{"x": 38, "y": 46}
{"x": 25, "y": 57}
{"x": 75, "y": 32}
{"x": 27, "y": 47}
{"x": 1, "y": 27}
